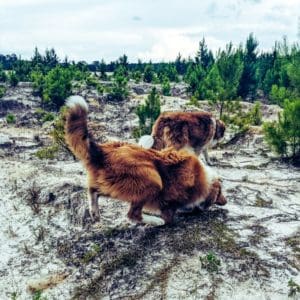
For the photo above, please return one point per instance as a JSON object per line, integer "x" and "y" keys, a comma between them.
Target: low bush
{"x": 2, "y": 91}
{"x": 147, "y": 114}
{"x": 10, "y": 118}
{"x": 284, "y": 135}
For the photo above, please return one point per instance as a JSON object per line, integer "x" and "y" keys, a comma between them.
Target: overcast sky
{"x": 147, "y": 29}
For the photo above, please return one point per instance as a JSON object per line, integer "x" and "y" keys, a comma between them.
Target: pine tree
{"x": 148, "y": 113}
{"x": 248, "y": 82}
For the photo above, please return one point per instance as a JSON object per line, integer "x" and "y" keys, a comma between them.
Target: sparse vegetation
{"x": 58, "y": 139}
{"x": 37, "y": 295}
{"x": 210, "y": 262}
{"x": 10, "y": 118}
{"x": 284, "y": 136}
{"x": 148, "y": 113}
{"x": 294, "y": 288}
{"x": 93, "y": 252}
{"x": 2, "y": 91}
{"x": 32, "y": 197}
{"x": 13, "y": 79}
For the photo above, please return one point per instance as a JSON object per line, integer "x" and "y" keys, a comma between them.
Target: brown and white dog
{"x": 195, "y": 131}
{"x": 159, "y": 181}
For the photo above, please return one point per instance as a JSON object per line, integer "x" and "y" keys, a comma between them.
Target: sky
{"x": 154, "y": 30}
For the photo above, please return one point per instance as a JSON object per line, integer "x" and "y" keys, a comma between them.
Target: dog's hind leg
{"x": 135, "y": 214}
{"x": 93, "y": 204}
{"x": 167, "y": 213}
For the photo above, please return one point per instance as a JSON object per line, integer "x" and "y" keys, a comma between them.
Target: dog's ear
{"x": 220, "y": 129}
{"x": 213, "y": 195}
{"x": 220, "y": 200}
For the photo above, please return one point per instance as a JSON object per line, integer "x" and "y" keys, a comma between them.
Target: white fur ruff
{"x": 73, "y": 101}
{"x": 211, "y": 176}
{"x": 146, "y": 141}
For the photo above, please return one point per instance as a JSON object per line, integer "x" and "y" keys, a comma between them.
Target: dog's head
{"x": 220, "y": 130}
{"x": 215, "y": 195}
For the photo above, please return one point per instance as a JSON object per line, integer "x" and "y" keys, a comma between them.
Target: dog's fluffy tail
{"x": 77, "y": 136}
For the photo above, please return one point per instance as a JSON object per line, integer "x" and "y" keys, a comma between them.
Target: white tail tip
{"x": 72, "y": 101}
{"x": 146, "y": 141}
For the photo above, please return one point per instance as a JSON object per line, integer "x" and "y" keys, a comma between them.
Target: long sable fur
{"x": 156, "y": 180}
{"x": 193, "y": 130}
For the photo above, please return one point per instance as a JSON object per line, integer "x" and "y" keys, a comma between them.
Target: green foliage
{"x": 49, "y": 152}
{"x": 91, "y": 254}
{"x": 248, "y": 80}
{"x": 239, "y": 120}
{"x": 91, "y": 81}
{"x": 37, "y": 295}
{"x": 293, "y": 71}
{"x": 38, "y": 80}
{"x": 57, "y": 86}
{"x": 13, "y": 79}
{"x": 166, "y": 87}
{"x": 3, "y": 76}
{"x": 210, "y": 262}
{"x": 204, "y": 57}
{"x": 279, "y": 94}
{"x": 10, "y": 118}
{"x": 222, "y": 81}
{"x": 294, "y": 288}
{"x": 284, "y": 136}
{"x": 194, "y": 101}
{"x": 58, "y": 139}
{"x": 148, "y": 113}
{"x": 44, "y": 116}
{"x": 2, "y": 91}
{"x": 137, "y": 76}
{"x": 119, "y": 90}
{"x": 194, "y": 77}
{"x": 255, "y": 115}
{"x": 149, "y": 74}
{"x": 48, "y": 117}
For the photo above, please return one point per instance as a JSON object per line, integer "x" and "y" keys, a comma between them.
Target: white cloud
{"x": 156, "y": 30}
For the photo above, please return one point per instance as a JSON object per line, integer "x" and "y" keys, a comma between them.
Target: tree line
{"x": 223, "y": 78}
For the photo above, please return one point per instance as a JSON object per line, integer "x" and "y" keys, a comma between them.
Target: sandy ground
{"x": 47, "y": 240}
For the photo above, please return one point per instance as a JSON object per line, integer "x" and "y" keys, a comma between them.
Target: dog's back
{"x": 183, "y": 129}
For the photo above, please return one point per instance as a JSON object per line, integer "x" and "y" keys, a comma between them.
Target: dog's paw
{"x": 95, "y": 215}
{"x": 152, "y": 220}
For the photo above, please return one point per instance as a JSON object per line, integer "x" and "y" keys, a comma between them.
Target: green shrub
{"x": 49, "y": 152}
{"x": 147, "y": 114}
{"x": 119, "y": 90}
{"x": 166, "y": 87}
{"x": 38, "y": 80}
{"x": 279, "y": 94}
{"x": 294, "y": 288}
{"x": 3, "y": 76}
{"x": 48, "y": 117}
{"x": 13, "y": 79}
{"x": 137, "y": 76}
{"x": 2, "y": 91}
{"x": 44, "y": 116}
{"x": 91, "y": 81}
{"x": 149, "y": 74}
{"x": 193, "y": 101}
{"x": 57, "y": 86}
{"x": 255, "y": 115}
{"x": 284, "y": 136}
{"x": 10, "y": 118}
{"x": 58, "y": 139}
{"x": 210, "y": 262}
{"x": 100, "y": 89}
